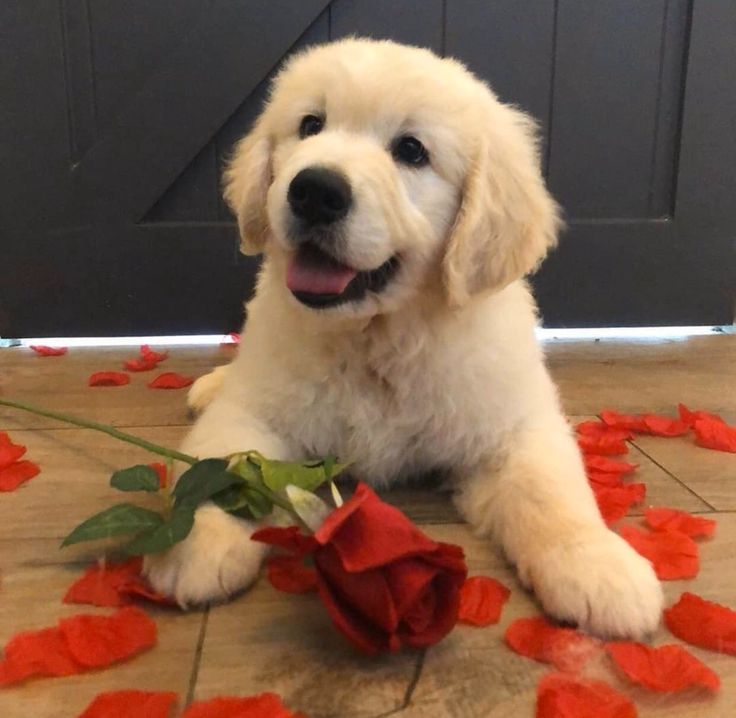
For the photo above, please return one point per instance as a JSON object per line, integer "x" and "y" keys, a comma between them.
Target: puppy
{"x": 398, "y": 205}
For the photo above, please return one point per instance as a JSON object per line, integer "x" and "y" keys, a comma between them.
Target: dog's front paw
{"x": 599, "y": 583}
{"x": 204, "y": 389}
{"x": 215, "y": 561}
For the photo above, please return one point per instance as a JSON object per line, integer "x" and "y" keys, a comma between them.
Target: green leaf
{"x": 236, "y": 498}
{"x": 277, "y": 475}
{"x": 167, "y": 534}
{"x": 116, "y": 521}
{"x": 135, "y": 478}
{"x": 203, "y": 480}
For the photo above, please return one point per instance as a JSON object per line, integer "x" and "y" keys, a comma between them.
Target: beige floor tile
{"x": 710, "y": 474}
{"x": 60, "y": 383}
{"x": 31, "y": 599}
{"x": 266, "y": 640}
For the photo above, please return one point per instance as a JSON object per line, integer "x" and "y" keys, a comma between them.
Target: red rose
{"x": 384, "y": 582}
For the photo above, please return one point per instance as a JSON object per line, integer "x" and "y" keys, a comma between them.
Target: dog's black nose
{"x": 319, "y": 196}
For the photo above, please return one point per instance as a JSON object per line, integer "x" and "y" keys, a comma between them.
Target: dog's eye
{"x": 311, "y": 125}
{"x": 410, "y": 151}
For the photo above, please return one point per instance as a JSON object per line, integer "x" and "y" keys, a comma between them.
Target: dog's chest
{"x": 392, "y": 414}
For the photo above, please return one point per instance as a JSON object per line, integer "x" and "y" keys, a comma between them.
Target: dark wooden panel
{"x": 196, "y": 193}
{"x": 400, "y": 20}
{"x": 604, "y": 112}
{"x": 508, "y": 43}
{"x": 165, "y": 124}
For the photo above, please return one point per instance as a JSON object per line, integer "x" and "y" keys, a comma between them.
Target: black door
{"x": 116, "y": 117}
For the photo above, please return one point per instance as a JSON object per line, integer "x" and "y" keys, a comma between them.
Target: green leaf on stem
{"x": 135, "y": 478}
{"x": 118, "y": 520}
{"x": 277, "y": 475}
{"x": 203, "y": 480}
{"x": 164, "y": 536}
{"x": 237, "y": 498}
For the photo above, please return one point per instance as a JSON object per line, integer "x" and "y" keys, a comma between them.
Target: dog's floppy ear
{"x": 246, "y": 183}
{"x": 507, "y": 220}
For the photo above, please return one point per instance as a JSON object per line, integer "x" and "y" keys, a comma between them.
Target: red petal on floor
{"x": 289, "y": 574}
{"x": 481, "y": 600}
{"x": 672, "y": 554}
{"x": 151, "y": 355}
{"x": 140, "y": 364}
{"x": 703, "y": 623}
{"x": 171, "y": 380}
{"x": 536, "y": 638}
{"x": 662, "y": 519}
{"x": 265, "y": 705}
{"x": 598, "y": 428}
{"x": 49, "y": 351}
{"x": 131, "y": 704}
{"x": 163, "y": 473}
{"x": 561, "y": 696}
{"x": 109, "y": 378}
{"x": 690, "y": 417}
{"x": 97, "y": 641}
{"x": 666, "y": 426}
{"x": 10, "y": 453}
{"x": 37, "y": 653}
{"x": 602, "y": 480}
{"x": 610, "y": 466}
{"x": 653, "y": 424}
{"x": 101, "y": 584}
{"x": 614, "y": 502}
{"x": 667, "y": 668}
{"x": 602, "y": 444}
{"x": 712, "y": 434}
{"x": 16, "y": 474}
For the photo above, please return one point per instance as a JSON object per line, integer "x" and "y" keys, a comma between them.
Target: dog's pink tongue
{"x": 316, "y": 273}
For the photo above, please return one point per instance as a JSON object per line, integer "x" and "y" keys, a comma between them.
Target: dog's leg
{"x": 539, "y": 506}
{"x": 218, "y": 558}
{"x": 203, "y": 391}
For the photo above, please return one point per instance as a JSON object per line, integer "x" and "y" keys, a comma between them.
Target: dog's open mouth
{"x": 319, "y": 280}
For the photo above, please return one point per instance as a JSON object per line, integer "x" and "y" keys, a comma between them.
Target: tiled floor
{"x": 269, "y": 641}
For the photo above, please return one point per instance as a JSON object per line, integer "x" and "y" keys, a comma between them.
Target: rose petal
{"x": 140, "y": 364}
{"x": 163, "y": 473}
{"x": 608, "y": 466}
{"x": 37, "y": 653}
{"x": 10, "y": 453}
{"x": 711, "y": 434}
{"x": 703, "y": 623}
{"x": 131, "y": 704}
{"x": 536, "y": 638}
{"x": 598, "y": 429}
{"x": 662, "y": 519}
{"x": 673, "y": 554}
{"x": 690, "y": 417}
{"x": 667, "y": 668}
{"x": 561, "y": 696}
{"x": 614, "y": 502}
{"x": 481, "y": 600}
{"x": 16, "y": 474}
{"x": 377, "y": 534}
{"x": 151, "y": 355}
{"x": 101, "y": 584}
{"x": 601, "y": 479}
{"x": 265, "y": 705}
{"x": 653, "y": 424}
{"x": 630, "y": 422}
{"x": 289, "y": 574}
{"x": 49, "y": 351}
{"x": 289, "y": 538}
{"x": 109, "y": 378}
{"x": 95, "y": 641}
{"x": 171, "y": 380}
{"x": 602, "y": 444}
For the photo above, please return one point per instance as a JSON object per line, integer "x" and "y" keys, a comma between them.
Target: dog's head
{"x": 377, "y": 171}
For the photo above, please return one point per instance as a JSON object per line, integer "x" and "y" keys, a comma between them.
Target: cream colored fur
{"x": 441, "y": 370}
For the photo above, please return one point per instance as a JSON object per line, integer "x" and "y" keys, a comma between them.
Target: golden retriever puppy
{"x": 398, "y": 205}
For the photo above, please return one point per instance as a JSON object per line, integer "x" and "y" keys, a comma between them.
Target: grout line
{"x": 197, "y": 658}
{"x": 670, "y": 474}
